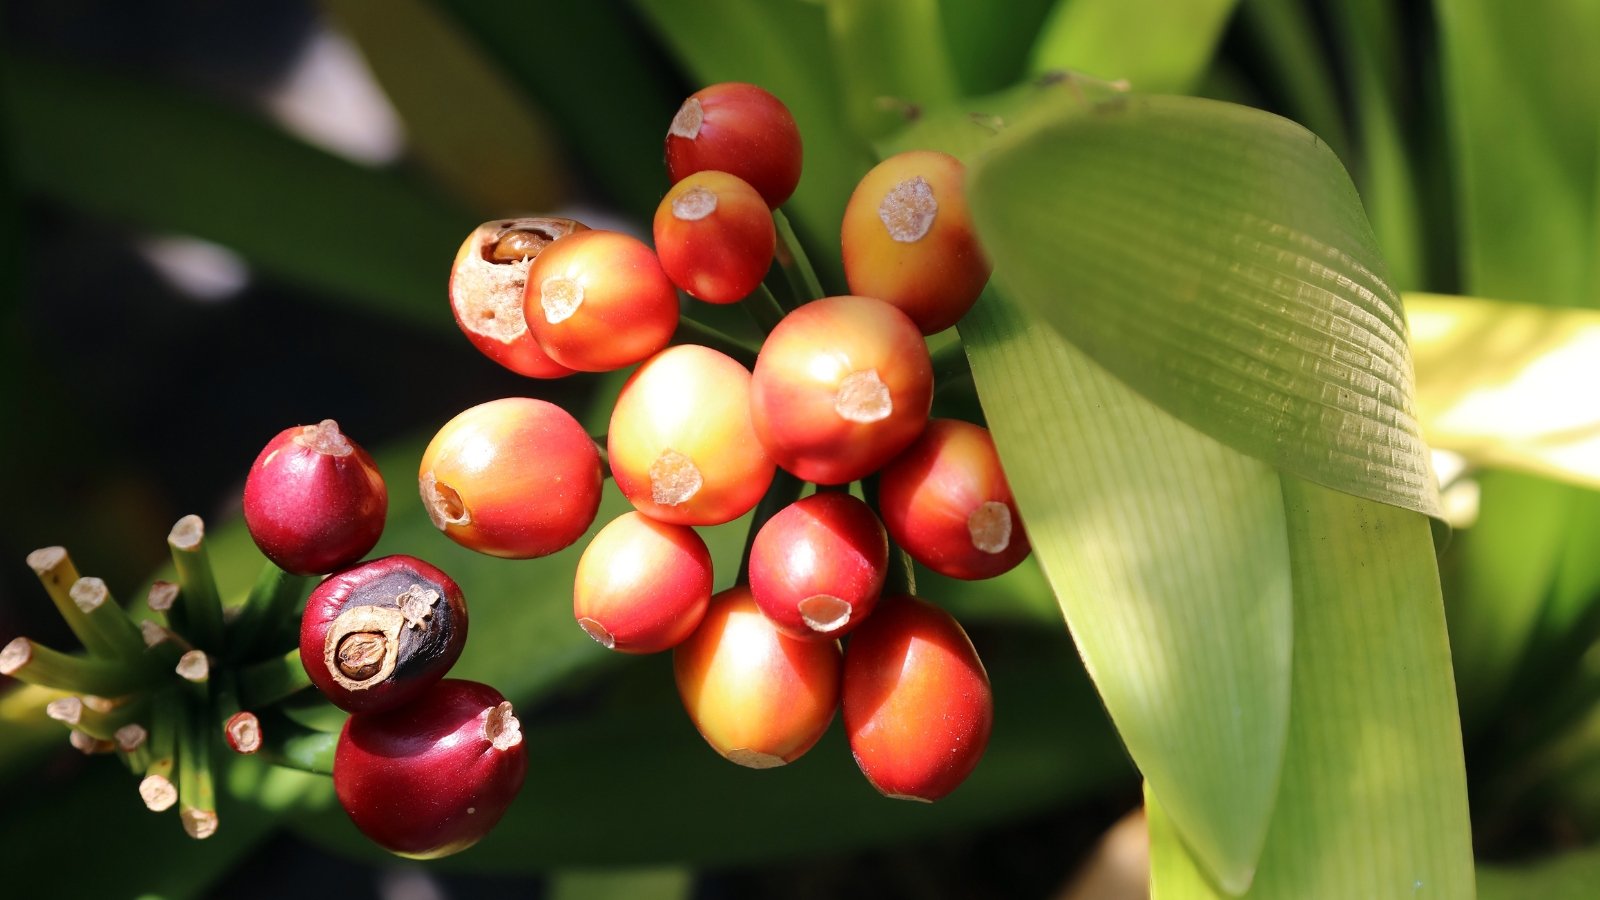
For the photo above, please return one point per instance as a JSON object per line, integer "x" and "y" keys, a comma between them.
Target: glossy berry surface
{"x": 715, "y": 237}
{"x": 486, "y": 288}
{"x": 842, "y": 385}
{"x": 917, "y": 704}
{"x": 314, "y": 500}
{"x": 740, "y": 129}
{"x": 908, "y": 238}
{"x": 598, "y": 301}
{"x": 516, "y": 478}
{"x": 946, "y": 501}
{"x": 377, "y": 635}
{"x": 642, "y": 586}
{"x": 682, "y": 445}
{"x": 817, "y": 566}
{"x": 433, "y": 777}
{"x": 758, "y": 697}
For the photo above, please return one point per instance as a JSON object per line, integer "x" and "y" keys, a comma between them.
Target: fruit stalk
{"x": 271, "y": 680}
{"x": 57, "y": 573}
{"x": 197, "y": 802}
{"x": 32, "y": 662}
{"x": 287, "y": 743}
{"x": 271, "y": 602}
{"x": 764, "y": 309}
{"x": 198, "y": 597}
{"x": 794, "y": 263}
{"x": 693, "y": 332}
{"x": 107, "y": 620}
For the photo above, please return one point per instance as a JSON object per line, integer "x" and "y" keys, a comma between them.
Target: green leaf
{"x": 1296, "y": 66}
{"x": 891, "y": 58}
{"x": 1502, "y": 384}
{"x": 988, "y": 51}
{"x": 1570, "y": 876}
{"x": 1373, "y": 801}
{"x": 1166, "y": 551}
{"x": 1158, "y": 45}
{"x": 1215, "y": 258}
{"x": 158, "y": 159}
{"x": 637, "y": 884}
{"x": 619, "y": 777}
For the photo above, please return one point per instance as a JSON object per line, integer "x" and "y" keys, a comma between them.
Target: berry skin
{"x": 715, "y": 237}
{"x": 740, "y": 129}
{"x": 681, "y": 443}
{"x": 817, "y": 566}
{"x": 433, "y": 777}
{"x": 759, "y": 698}
{"x": 642, "y": 586}
{"x": 314, "y": 500}
{"x": 908, "y": 239}
{"x": 917, "y": 705}
{"x": 486, "y": 287}
{"x": 517, "y": 478}
{"x": 375, "y": 636}
{"x": 946, "y": 501}
{"x": 598, "y": 301}
{"x": 842, "y": 385}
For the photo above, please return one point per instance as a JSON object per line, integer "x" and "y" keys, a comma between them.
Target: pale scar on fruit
{"x": 694, "y": 204}
{"x": 990, "y": 527}
{"x": 908, "y": 210}
{"x": 686, "y": 123}
{"x": 863, "y": 397}
{"x": 674, "y": 479}
{"x": 559, "y": 298}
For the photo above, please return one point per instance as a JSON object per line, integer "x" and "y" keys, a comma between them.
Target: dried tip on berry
{"x": 752, "y": 759}
{"x": 158, "y": 793}
{"x": 674, "y": 479}
{"x": 89, "y": 593}
{"x": 559, "y": 298}
{"x": 502, "y": 728}
{"x": 194, "y": 666}
{"x": 188, "y": 533}
{"x": 131, "y": 737}
{"x": 16, "y": 654}
{"x": 66, "y": 709}
{"x": 597, "y": 631}
{"x": 326, "y": 438}
{"x": 990, "y": 527}
{"x": 687, "y": 121}
{"x": 824, "y": 613}
{"x": 443, "y": 503}
{"x": 88, "y": 744}
{"x": 694, "y": 204}
{"x": 199, "y": 823}
{"x": 46, "y": 559}
{"x": 908, "y": 210}
{"x": 863, "y": 397}
{"x": 162, "y": 595}
{"x": 243, "y": 731}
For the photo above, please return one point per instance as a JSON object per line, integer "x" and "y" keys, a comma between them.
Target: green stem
{"x": 901, "y": 577}
{"x": 34, "y": 663}
{"x": 163, "y": 601}
{"x": 57, "y": 573}
{"x": 269, "y": 681}
{"x": 289, "y": 744}
{"x": 197, "y": 802}
{"x": 272, "y": 600}
{"x": 950, "y": 366}
{"x": 108, "y": 620}
{"x": 605, "y": 455}
{"x": 101, "y": 723}
{"x": 792, "y": 259}
{"x": 764, "y": 308}
{"x": 785, "y": 489}
{"x": 197, "y": 583}
{"x": 166, "y": 720}
{"x": 693, "y": 332}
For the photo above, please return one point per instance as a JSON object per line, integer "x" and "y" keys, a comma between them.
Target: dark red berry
{"x": 314, "y": 500}
{"x": 375, "y": 636}
{"x": 817, "y": 567}
{"x": 433, "y": 777}
{"x": 739, "y": 129}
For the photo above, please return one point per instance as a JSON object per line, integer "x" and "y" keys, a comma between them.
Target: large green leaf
{"x": 1216, "y": 258}
{"x": 1373, "y": 802}
{"x": 1504, "y": 384}
{"x": 891, "y": 60}
{"x": 1158, "y": 45}
{"x": 1570, "y": 876}
{"x": 160, "y": 160}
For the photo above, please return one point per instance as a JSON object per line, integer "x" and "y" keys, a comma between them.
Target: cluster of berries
{"x": 841, "y": 392}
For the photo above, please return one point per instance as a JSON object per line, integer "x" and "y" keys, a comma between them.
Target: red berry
{"x": 841, "y": 386}
{"x": 739, "y": 129}
{"x": 917, "y": 706}
{"x": 642, "y": 586}
{"x": 517, "y": 477}
{"x": 817, "y": 566}
{"x": 758, "y": 697}
{"x": 375, "y": 636}
{"x": 486, "y": 287}
{"x": 908, "y": 239}
{"x": 433, "y": 777}
{"x": 715, "y": 237}
{"x": 314, "y": 500}
{"x": 598, "y": 301}
{"x": 681, "y": 444}
{"x": 946, "y": 501}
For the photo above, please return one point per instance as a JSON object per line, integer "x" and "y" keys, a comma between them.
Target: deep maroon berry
{"x": 433, "y": 777}
{"x": 314, "y": 500}
{"x": 375, "y": 636}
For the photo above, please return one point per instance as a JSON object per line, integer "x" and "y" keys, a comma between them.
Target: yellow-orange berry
{"x": 598, "y": 301}
{"x": 642, "y": 586}
{"x": 715, "y": 237}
